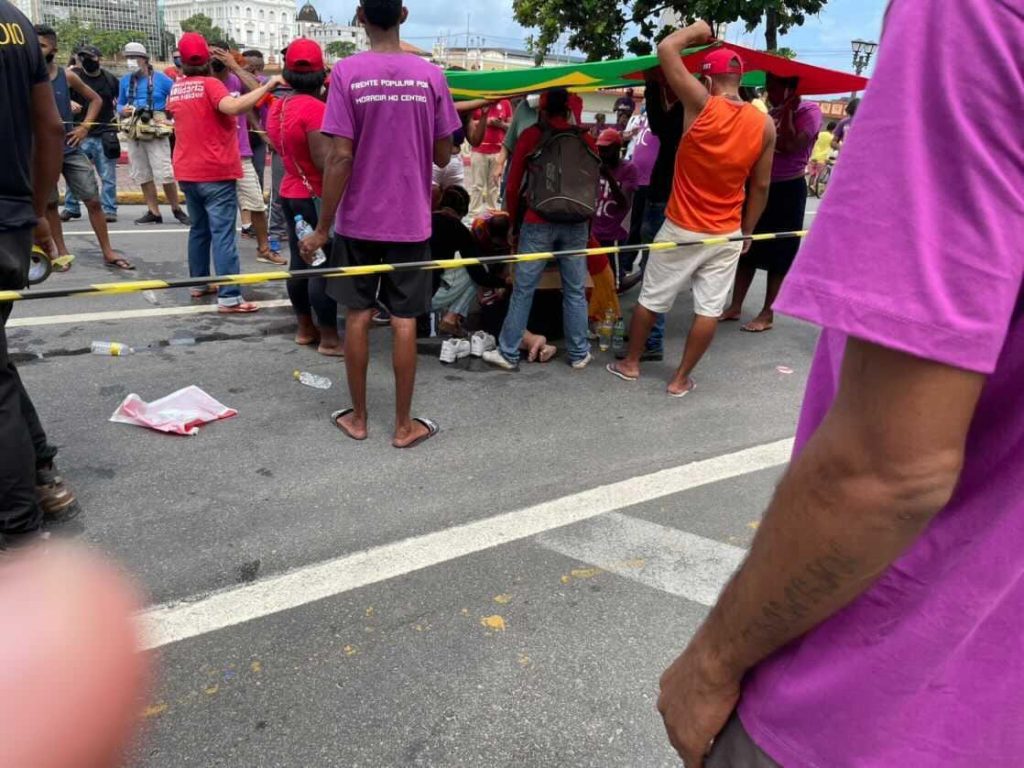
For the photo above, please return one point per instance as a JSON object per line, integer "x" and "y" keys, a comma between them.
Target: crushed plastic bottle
{"x": 312, "y": 380}
{"x": 302, "y": 231}
{"x": 111, "y": 348}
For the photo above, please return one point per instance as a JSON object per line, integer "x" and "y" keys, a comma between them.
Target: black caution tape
{"x": 137, "y": 286}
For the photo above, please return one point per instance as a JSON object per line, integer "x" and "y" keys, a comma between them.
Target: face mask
{"x": 533, "y": 100}
{"x": 91, "y": 66}
{"x": 177, "y": 61}
{"x": 49, "y": 57}
{"x": 132, "y": 64}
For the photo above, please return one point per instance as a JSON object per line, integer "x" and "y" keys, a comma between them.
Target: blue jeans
{"x": 107, "y": 169}
{"x": 536, "y": 238}
{"x": 654, "y": 218}
{"x": 213, "y": 208}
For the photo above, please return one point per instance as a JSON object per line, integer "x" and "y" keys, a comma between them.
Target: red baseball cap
{"x": 304, "y": 55}
{"x": 609, "y": 137}
{"x": 193, "y": 49}
{"x": 722, "y": 61}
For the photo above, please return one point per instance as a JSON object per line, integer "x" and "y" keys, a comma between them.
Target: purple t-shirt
{"x": 610, "y": 216}
{"x": 234, "y": 86}
{"x": 917, "y": 248}
{"x": 807, "y": 121}
{"x": 393, "y": 106}
{"x": 645, "y": 152}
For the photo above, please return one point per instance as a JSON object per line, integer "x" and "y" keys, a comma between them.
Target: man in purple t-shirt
{"x": 877, "y": 620}
{"x": 390, "y": 117}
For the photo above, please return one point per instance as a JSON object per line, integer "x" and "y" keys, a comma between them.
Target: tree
{"x": 600, "y": 27}
{"x": 204, "y": 25}
{"x": 72, "y": 33}
{"x": 340, "y": 49}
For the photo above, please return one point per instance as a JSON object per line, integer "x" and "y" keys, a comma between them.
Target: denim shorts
{"x": 80, "y": 178}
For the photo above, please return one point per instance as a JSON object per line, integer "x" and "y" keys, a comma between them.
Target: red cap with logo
{"x": 304, "y": 55}
{"x": 194, "y": 50}
{"x": 722, "y": 61}
{"x": 609, "y": 137}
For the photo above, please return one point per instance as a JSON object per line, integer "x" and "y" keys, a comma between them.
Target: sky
{"x": 824, "y": 40}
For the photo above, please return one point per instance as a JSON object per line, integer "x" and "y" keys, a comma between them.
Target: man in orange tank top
{"x": 723, "y": 171}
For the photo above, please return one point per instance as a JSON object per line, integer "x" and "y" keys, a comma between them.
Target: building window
{"x": 261, "y": 13}
{"x": 263, "y": 37}
{"x": 273, "y": 17}
{"x": 248, "y": 13}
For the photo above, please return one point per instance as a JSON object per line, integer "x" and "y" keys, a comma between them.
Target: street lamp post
{"x": 863, "y": 50}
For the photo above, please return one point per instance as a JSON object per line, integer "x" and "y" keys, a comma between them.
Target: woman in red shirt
{"x": 293, "y": 127}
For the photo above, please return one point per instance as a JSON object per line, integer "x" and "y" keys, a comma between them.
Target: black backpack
{"x": 562, "y": 177}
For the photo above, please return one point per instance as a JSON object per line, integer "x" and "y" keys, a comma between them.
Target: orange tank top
{"x": 713, "y": 162}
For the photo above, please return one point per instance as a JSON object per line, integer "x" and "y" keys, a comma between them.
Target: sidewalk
{"x": 130, "y": 193}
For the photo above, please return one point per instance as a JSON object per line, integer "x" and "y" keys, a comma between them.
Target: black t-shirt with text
{"x": 107, "y": 86}
{"x": 21, "y": 67}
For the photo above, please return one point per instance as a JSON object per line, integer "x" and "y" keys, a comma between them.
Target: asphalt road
{"x": 505, "y": 595}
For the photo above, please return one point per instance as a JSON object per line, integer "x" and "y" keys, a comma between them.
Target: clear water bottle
{"x": 312, "y": 380}
{"x": 619, "y": 336}
{"x": 303, "y": 230}
{"x": 604, "y": 332}
{"x": 111, "y": 348}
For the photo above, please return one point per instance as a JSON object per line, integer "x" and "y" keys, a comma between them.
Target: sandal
{"x": 63, "y": 263}
{"x": 613, "y": 369}
{"x": 271, "y": 257}
{"x": 198, "y": 293}
{"x": 336, "y": 418}
{"x": 124, "y": 264}
{"x": 432, "y": 430}
{"x": 245, "y": 308}
{"x": 685, "y": 392}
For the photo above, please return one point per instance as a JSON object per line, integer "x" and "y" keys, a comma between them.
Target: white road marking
{"x": 668, "y": 559}
{"x": 178, "y": 621}
{"x": 139, "y": 231}
{"x": 130, "y": 314}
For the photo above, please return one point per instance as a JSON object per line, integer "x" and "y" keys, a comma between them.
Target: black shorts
{"x": 404, "y": 294}
{"x": 787, "y": 204}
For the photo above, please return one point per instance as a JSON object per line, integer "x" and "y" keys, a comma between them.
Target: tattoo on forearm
{"x": 816, "y": 582}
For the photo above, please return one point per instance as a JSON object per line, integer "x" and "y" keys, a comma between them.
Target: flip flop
{"x": 750, "y": 329}
{"x": 613, "y": 369}
{"x": 724, "y": 319}
{"x": 245, "y": 308}
{"x": 198, "y": 293}
{"x": 336, "y": 420}
{"x": 124, "y": 264}
{"x": 432, "y": 430}
{"x": 63, "y": 263}
{"x": 272, "y": 257}
{"x": 681, "y": 395}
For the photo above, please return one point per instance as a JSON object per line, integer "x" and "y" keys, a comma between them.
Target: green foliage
{"x": 72, "y": 33}
{"x": 204, "y": 25}
{"x": 600, "y": 27}
{"x": 340, "y": 49}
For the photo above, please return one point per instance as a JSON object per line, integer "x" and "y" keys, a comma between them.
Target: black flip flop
{"x": 340, "y": 414}
{"x": 122, "y": 264}
{"x": 432, "y": 429}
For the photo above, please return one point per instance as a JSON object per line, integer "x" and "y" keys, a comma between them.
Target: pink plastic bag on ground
{"x": 180, "y": 413}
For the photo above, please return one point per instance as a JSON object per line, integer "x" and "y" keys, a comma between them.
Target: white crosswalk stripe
{"x": 668, "y": 559}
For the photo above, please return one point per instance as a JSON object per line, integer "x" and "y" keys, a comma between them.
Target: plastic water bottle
{"x": 312, "y": 380}
{"x": 619, "y": 336}
{"x": 111, "y": 348}
{"x": 604, "y": 332}
{"x": 303, "y": 230}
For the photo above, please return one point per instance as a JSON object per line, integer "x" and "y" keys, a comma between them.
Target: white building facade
{"x": 310, "y": 24}
{"x": 264, "y": 25}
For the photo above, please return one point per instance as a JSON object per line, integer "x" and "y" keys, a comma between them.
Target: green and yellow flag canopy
{"x": 626, "y": 72}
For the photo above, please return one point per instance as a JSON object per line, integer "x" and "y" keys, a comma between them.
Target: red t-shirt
{"x": 206, "y": 140}
{"x": 494, "y": 137}
{"x": 302, "y": 113}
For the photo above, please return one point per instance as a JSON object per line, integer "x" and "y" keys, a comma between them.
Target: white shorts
{"x": 250, "y": 194}
{"x": 710, "y": 268}
{"x": 150, "y": 161}
{"x": 452, "y": 175}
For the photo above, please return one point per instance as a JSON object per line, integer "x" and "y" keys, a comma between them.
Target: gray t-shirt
{"x": 523, "y": 118}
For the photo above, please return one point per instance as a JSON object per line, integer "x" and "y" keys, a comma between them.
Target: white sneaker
{"x": 579, "y": 365}
{"x": 495, "y": 358}
{"x": 462, "y": 348}
{"x": 448, "y": 351}
{"x": 482, "y": 342}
